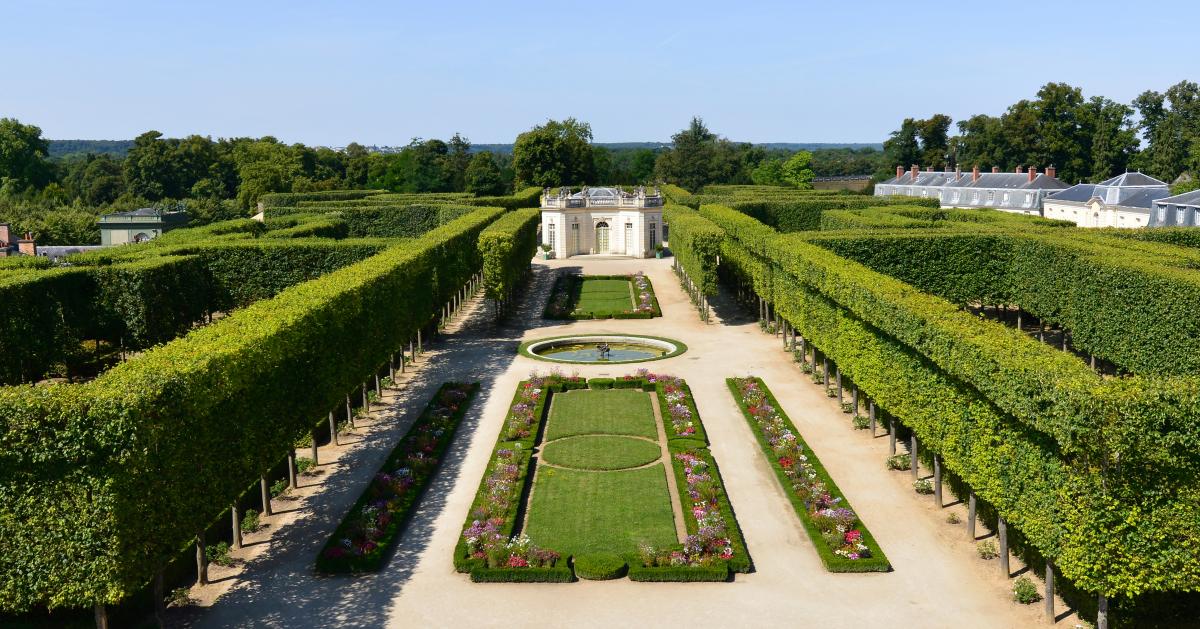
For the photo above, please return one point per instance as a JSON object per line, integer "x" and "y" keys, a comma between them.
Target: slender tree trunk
{"x": 101, "y": 614}
{"x": 871, "y": 410}
{"x": 314, "y": 447}
{"x": 1050, "y": 591}
{"x": 1102, "y": 612}
{"x": 891, "y": 435}
{"x": 236, "y": 521}
{"x": 333, "y": 436}
{"x": 1003, "y": 533}
{"x": 912, "y": 454}
{"x": 937, "y": 480}
{"x": 971, "y": 515}
{"x": 265, "y": 490}
{"x": 292, "y": 481}
{"x": 201, "y": 561}
{"x": 160, "y": 600}
{"x": 349, "y": 411}
{"x": 841, "y": 398}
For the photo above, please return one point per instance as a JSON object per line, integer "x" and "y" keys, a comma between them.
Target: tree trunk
{"x": 350, "y": 410}
{"x": 1050, "y": 591}
{"x": 854, "y": 400}
{"x": 891, "y": 435}
{"x": 841, "y": 399}
{"x": 871, "y": 410}
{"x": 366, "y": 405}
{"x": 265, "y": 490}
{"x": 333, "y": 436}
{"x": 236, "y": 521}
{"x": 1102, "y": 612}
{"x": 1003, "y": 534}
{"x": 912, "y": 454}
{"x": 418, "y": 343}
{"x": 292, "y": 482}
{"x": 825, "y": 370}
{"x": 201, "y": 561}
{"x": 314, "y": 447}
{"x": 160, "y": 600}
{"x": 971, "y": 515}
{"x": 937, "y": 480}
{"x": 101, "y": 614}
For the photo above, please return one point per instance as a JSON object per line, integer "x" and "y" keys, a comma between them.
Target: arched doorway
{"x": 601, "y": 237}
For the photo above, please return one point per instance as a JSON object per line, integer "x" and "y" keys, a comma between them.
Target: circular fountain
{"x": 602, "y": 348}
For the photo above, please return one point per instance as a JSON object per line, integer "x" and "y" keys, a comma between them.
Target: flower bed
{"x": 490, "y": 552}
{"x": 487, "y": 548}
{"x": 564, "y": 299}
{"x": 841, "y": 539}
{"x": 678, "y": 409}
{"x": 371, "y": 529}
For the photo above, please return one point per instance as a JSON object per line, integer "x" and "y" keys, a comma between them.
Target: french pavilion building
{"x": 602, "y": 221}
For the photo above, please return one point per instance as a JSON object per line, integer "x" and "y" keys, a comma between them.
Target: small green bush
{"x": 179, "y": 597}
{"x": 899, "y": 462}
{"x": 987, "y": 549}
{"x": 279, "y": 487}
{"x": 953, "y": 518}
{"x": 923, "y": 486}
{"x": 250, "y": 522}
{"x": 1025, "y": 591}
{"x": 218, "y": 554}
{"x": 599, "y": 566}
{"x": 600, "y": 383}
{"x": 304, "y": 464}
{"x": 861, "y": 422}
{"x": 847, "y": 407}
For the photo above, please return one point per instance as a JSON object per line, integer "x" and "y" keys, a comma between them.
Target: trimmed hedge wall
{"x": 115, "y": 476}
{"x": 1099, "y": 474}
{"x": 508, "y": 246}
{"x": 291, "y": 199}
{"x": 696, "y": 244}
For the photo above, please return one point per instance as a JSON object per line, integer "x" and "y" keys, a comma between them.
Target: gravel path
{"x": 938, "y": 580}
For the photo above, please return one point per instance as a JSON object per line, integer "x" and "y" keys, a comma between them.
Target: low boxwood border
{"x": 599, "y": 566}
{"x": 406, "y": 505}
{"x": 563, "y": 278}
{"x": 877, "y": 562}
{"x": 680, "y": 348}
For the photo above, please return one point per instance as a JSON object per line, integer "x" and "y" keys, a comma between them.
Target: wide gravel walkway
{"x": 938, "y": 581}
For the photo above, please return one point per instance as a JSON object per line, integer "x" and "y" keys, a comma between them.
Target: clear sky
{"x": 383, "y": 72}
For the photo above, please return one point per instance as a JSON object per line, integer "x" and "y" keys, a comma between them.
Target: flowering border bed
{"x": 563, "y": 298}
{"x": 366, "y": 536}
{"x": 830, "y": 507}
{"x": 489, "y": 552}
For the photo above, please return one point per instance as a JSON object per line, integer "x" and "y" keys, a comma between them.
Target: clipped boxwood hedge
{"x": 599, "y": 566}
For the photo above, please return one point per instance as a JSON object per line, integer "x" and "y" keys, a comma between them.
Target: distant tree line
{"x": 1086, "y": 139}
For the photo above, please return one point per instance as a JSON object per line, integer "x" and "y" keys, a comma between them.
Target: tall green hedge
{"x": 508, "y": 246}
{"x": 291, "y": 199}
{"x": 696, "y": 244}
{"x": 112, "y": 478}
{"x": 1099, "y": 474}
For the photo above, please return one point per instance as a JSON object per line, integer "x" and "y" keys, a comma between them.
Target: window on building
{"x": 1028, "y": 199}
{"x": 924, "y": 192}
{"x": 957, "y": 195}
{"x": 1005, "y": 199}
{"x": 653, "y": 234}
{"x": 550, "y": 237}
{"x": 1162, "y": 215}
{"x": 975, "y": 198}
{"x": 991, "y": 197}
{"x": 1180, "y": 218}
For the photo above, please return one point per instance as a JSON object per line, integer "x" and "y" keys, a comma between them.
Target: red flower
{"x": 785, "y": 462}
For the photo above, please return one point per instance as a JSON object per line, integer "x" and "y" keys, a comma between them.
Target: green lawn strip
{"x": 578, "y": 512}
{"x": 602, "y": 412}
{"x": 522, "y": 449}
{"x": 600, "y": 452}
{"x": 600, "y": 297}
{"x": 372, "y": 527}
{"x": 877, "y": 562}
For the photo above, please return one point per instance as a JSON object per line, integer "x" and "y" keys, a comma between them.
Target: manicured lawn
{"x": 601, "y": 453}
{"x": 606, "y": 296}
{"x": 577, "y": 512}
{"x": 609, "y": 411}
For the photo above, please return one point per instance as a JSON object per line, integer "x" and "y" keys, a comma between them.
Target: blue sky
{"x": 384, "y": 72}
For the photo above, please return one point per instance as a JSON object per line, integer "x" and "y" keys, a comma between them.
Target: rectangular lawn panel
{"x": 604, "y": 296}
{"x": 601, "y": 412}
{"x": 578, "y": 512}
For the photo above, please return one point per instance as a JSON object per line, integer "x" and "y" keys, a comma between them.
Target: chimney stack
{"x": 26, "y": 246}
{"x": 1019, "y": 170}
{"x": 899, "y": 171}
{"x": 975, "y": 173}
{"x": 1051, "y": 171}
{"x": 995, "y": 169}
{"x": 916, "y": 170}
{"x": 1032, "y": 173}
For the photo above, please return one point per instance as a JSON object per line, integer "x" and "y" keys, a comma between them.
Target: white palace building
{"x": 602, "y": 221}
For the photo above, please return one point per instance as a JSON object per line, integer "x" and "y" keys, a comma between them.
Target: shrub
{"x": 279, "y": 487}
{"x": 250, "y": 522}
{"x": 599, "y": 566}
{"x": 899, "y": 462}
{"x": 304, "y": 464}
{"x": 847, "y": 407}
{"x": 987, "y": 549}
{"x": 218, "y": 554}
{"x": 600, "y": 383}
{"x": 179, "y": 597}
{"x": 1025, "y": 591}
{"x": 953, "y": 518}
{"x": 923, "y": 486}
{"x": 861, "y": 422}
